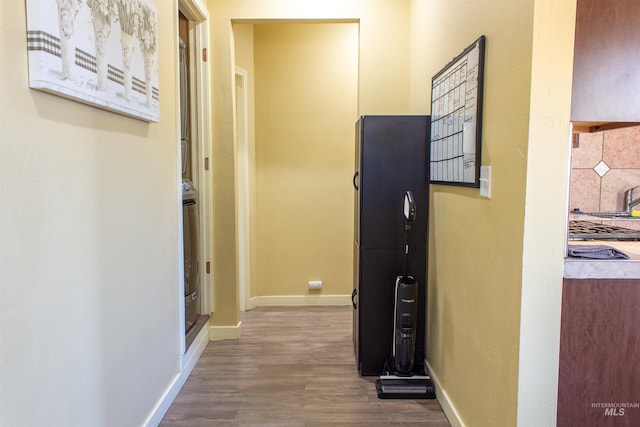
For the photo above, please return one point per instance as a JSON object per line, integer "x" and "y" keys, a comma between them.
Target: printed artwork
{"x": 100, "y": 52}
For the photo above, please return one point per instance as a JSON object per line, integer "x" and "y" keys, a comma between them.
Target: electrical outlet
{"x": 485, "y": 181}
{"x": 315, "y": 284}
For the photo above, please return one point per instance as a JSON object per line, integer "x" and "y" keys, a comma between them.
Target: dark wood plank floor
{"x": 292, "y": 366}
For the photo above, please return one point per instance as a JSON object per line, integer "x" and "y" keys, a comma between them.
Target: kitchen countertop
{"x": 581, "y": 268}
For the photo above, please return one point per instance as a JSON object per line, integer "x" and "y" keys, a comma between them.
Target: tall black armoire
{"x": 391, "y": 158}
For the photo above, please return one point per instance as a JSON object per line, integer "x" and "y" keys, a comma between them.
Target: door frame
{"x": 243, "y": 188}
{"x": 198, "y": 16}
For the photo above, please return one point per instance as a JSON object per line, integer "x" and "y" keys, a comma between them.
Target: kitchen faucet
{"x": 629, "y": 202}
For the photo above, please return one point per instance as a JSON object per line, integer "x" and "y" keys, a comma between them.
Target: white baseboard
{"x": 295, "y": 300}
{"x": 188, "y": 362}
{"x": 443, "y": 398}
{"x": 217, "y": 333}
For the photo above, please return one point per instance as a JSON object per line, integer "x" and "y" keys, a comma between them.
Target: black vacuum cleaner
{"x": 402, "y": 379}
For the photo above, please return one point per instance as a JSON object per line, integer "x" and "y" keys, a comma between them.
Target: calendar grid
{"x": 455, "y": 119}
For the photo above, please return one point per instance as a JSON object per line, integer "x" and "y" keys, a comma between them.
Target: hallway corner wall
{"x": 89, "y": 265}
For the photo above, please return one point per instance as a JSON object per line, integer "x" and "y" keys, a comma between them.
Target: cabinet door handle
{"x": 353, "y": 298}
{"x": 355, "y": 176}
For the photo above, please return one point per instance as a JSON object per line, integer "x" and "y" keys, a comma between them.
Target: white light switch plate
{"x": 485, "y": 181}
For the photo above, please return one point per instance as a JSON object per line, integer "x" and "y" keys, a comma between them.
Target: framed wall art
{"x": 456, "y": 119}
{"x": 99, "y": 52}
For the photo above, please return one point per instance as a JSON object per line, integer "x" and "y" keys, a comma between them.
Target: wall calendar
{"x": 456, "y": 119}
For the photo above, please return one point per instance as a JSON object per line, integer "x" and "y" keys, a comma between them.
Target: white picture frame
{"x": 100, "y": 52}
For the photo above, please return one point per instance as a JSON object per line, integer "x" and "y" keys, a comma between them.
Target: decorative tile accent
{"x": 601, "y": 168}
{"x": 603, "y": 165}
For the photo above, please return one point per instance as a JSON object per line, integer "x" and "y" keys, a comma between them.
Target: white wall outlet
{"x": 315, "y": 284}
{"x": 485, "y": 181}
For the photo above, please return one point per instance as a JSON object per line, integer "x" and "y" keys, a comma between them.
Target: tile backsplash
{"x": 604, "y": 165}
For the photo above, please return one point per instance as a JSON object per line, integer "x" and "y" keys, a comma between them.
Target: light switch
{"x": 485, "y": 181}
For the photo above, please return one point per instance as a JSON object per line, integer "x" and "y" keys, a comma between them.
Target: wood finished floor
{"x": 292, "y": 366}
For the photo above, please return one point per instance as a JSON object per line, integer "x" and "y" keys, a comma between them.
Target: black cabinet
{"x": 391, "y": 158}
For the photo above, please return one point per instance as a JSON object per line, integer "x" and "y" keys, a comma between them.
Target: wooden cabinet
{"x": 606, "y": 68}
{"x": 599, "y": 375}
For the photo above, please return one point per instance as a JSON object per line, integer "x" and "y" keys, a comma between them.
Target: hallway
{"x": 293, "y": 366}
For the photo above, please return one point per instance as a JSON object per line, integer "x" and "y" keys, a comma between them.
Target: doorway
{"x": 295, "y": 170}
{"x": 194, "y": 149}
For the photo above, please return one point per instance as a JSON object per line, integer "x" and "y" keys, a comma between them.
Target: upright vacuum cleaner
{"x": 402, "y": 379}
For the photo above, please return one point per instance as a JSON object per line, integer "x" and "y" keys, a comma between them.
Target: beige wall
{"x": 482, "y": 254}
{"x": 476, "y": 244}
{"x": 383, "y": 89}
{"x": 306, "y": 106}
{"x": 89, "y": 260}
{"x": 476, "y": 247}
{"x": 545, "y": 211}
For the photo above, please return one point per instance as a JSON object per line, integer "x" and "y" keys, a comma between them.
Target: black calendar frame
{"x": 458, "y": 167}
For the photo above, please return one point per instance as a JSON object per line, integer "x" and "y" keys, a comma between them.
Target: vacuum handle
{"x": 409, "y": 208}
{"x": 355, "y": 176}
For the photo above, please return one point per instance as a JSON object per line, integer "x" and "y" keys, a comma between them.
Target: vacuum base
{"x": 414, "y": 387}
